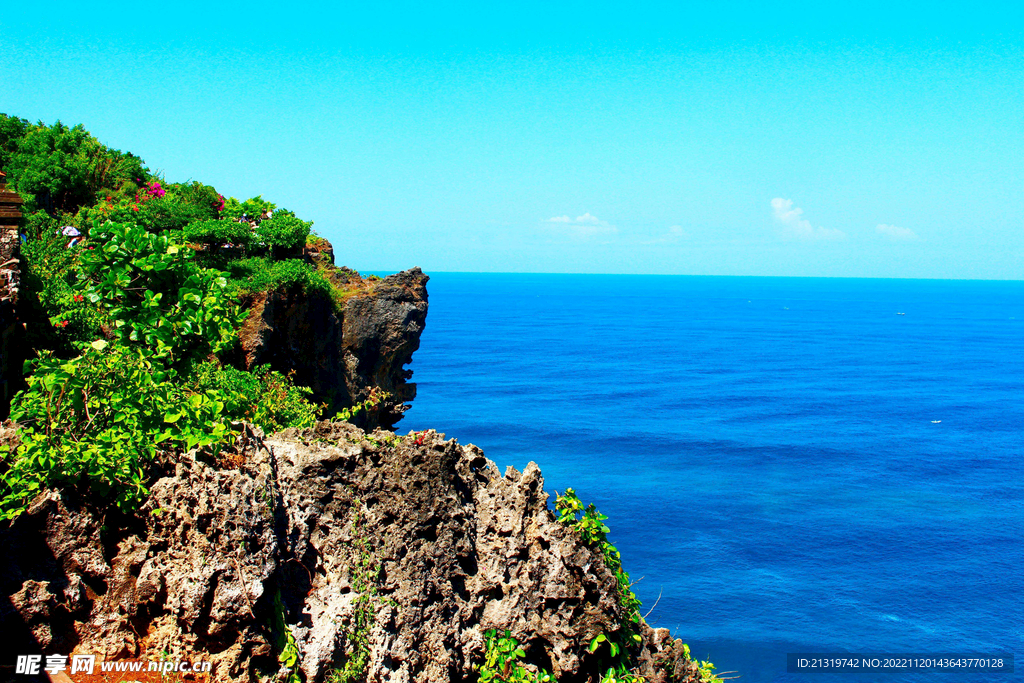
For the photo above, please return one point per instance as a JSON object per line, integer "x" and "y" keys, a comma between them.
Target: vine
{"x": 375, "y": 398}
{"x": 364, "y": 582}
{"x": 284, "y": 643}
{"x": 589, "y": 524}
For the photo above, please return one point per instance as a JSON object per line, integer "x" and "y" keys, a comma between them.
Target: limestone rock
{"x": 405, "y": 549}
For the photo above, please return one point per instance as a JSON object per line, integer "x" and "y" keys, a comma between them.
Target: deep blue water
{"x": 764, "y": 448}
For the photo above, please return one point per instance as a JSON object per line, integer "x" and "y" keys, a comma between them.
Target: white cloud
{"x": 585, "y": 219}
{"x": 585, "y": 225}
{"x": 896, "y": 233}
{"x": 795, "y": 226}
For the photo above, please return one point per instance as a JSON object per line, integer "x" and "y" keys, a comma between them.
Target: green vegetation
{"x": 364, "y": 582}
{"x": 376, "y": 396}
{"x": 620, "y": 649}
{"x": 705, "y": 668}
{"x": 284, "y": 641}
{"x": 59, "y": 169}
{"x": 501, "y": 663}
{"x": 589, "y": 524}
{"x": 131, "y": 321}
{"x": 260, "y": 274}
{"x": 622, "y": 645}
{"x": 68, "y": 178}
{"x": 262, "y": 396}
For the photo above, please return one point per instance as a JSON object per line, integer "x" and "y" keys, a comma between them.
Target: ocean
{"x": 789, "y": 465}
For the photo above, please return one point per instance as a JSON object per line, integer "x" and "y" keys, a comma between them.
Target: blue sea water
{"x": 788, "y": 463}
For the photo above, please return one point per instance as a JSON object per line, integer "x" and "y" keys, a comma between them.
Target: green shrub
{"x": 12, "y": 130}
{"x": 252, "y": 209}
{"x": 205, "y": 198}
{"x": 217, "y": 232}
{"x": 60, "y": 169}
{"x": 155, "y": 297}
{"x": 260, "y": 274}
{"x": 262, "y": 397}
{"x": 97, "y": 420}
{"x": 589, "y": 524}
{"x": 168, "y": 213}
{"x": 51, "y": 283}
{"x": 501, "y": 661}
{"x": 283, "y": 231}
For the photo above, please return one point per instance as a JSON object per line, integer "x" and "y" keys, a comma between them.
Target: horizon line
{"x": 780, "y": 277}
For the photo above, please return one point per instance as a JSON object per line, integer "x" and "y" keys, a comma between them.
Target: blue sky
{"x": 806, "y": 139}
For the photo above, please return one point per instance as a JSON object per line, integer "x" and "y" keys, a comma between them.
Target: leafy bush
{"x": 97, "y": 419}
{"x": 154, "y": 298}
{"x": 168, "y": 213}
{"x": 57, "y": 168}
{"x": 61, "y": 313}
{"x": 501, "y": 662}
{"x": 262, "y": 397}
{"x": 259, "y": 274}
{"x": 589, "y": 524}
{"x": 205, "y": 198}
{"x": 282, "y": 231}
{"x": 217, "y": 232}
{"x": 156, "y": 206}
{"x": 251, "y": 209}
{"x": 12, "y": 130}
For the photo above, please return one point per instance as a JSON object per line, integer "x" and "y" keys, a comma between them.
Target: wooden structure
{"x": 11, "y": 351}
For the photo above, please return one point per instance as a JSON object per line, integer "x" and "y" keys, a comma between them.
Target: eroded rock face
{"x": 413, "y": 546}
{"x": 343, "y": 355}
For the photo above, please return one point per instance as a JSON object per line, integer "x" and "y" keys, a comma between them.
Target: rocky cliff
{"x": 342, "y": 351}
{"x": 369, "y": 553}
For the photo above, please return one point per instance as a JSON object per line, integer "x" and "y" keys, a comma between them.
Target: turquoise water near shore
{"x": 789, "y": 463}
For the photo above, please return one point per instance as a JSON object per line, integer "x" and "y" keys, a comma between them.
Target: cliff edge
{"x": 380, "y": 557}
{"x": 343, "y": 351}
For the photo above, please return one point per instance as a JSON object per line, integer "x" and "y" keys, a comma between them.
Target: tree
{"x": 283, "y": 231}
{"x": 61, "y": 169}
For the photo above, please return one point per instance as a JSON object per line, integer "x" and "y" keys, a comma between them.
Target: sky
{"x": 838, "y": 139}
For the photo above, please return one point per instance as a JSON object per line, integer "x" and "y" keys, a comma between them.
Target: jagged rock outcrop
{"x": 404, "y": 549}
{"x": 343, "y": 353}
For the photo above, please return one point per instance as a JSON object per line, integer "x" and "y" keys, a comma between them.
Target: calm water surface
{"x": 789, "y": 463}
